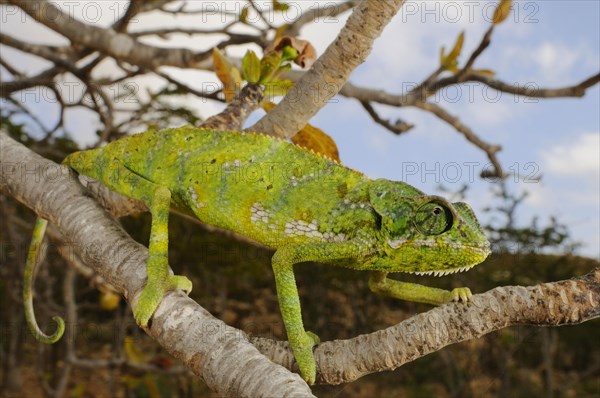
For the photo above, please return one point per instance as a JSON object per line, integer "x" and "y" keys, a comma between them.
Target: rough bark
{"x": 566, "y": 302}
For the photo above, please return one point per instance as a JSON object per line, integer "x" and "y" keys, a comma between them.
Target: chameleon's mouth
{"x": 479, "y": 251}
{"x": 442, "y": 272}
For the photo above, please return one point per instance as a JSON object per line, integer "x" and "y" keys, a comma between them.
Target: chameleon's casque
{"x": 307, "y": 207}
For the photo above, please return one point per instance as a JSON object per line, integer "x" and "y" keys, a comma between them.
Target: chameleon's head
{"x": 426, "y": 234}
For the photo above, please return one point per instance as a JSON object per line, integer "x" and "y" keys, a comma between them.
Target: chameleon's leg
{"x": 158, "y": 200}
{"x": 283, "y": 260}
{"x": 379, "y": 283}
{"x": 32, "y": 260}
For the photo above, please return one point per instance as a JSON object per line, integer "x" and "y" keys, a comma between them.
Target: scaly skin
{"x": 307, "y": 207}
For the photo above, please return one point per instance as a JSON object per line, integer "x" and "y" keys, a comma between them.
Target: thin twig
{"x": 485, "y": 42}
{"x": 529, "y": 89}
{"x": 398, "y": 128}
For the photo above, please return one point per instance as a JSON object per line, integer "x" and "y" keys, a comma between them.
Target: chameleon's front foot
{"x": 379, "y": 283}
{"x": 303, "y": 352}
{"x": 154, "y": 292}
{"x": 460, "y": 294}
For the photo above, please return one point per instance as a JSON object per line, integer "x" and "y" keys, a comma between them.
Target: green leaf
{"x": 502, "y": 11}
{"x": 282, "y": 69}
{"x": 225, "y": 73}
{"x": 236, "y": 76}
{"x": 484, "y": 72}
{"x": 268, "y": 66}
{"x": 457, "y": 46}
{"x": 278, "y": 88}
{"x": 289, "y": 53}
{"x": 244, "y": 15}
{"x": 251, "y": 67}
{"x": 279, "y": 6}
{"x": 450, "y": 61}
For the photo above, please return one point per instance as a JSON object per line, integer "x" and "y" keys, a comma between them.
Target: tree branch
{"x": 398, "y": 128}
{"x": 237, "y": 111}
{"x": 331, "y": 71}
{"x": 566, "y": 302}
{"x": 529, "y": 89}
{"x": 118, "y": 45}
{"x": 311, "y": 15}
{"x": 485, "y": 42}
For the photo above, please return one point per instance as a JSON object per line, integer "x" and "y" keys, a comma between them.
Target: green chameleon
{"x": 304, "y": 205}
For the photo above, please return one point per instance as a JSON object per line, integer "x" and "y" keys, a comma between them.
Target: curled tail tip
{"x": 54, "y": 337}
{"x": 31, "y": 263}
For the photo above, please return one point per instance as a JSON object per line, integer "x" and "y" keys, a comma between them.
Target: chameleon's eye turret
{"x": 433, "y": 218}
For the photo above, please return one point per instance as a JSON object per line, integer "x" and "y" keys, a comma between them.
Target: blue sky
{"x": 546, "y": 43}
{"x": 549, "y": 44}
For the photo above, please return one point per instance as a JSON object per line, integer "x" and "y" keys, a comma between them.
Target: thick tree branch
{"x": 331, "y": 71}
{"x": 237, "y": 111}
{"x": 219, "y": 354}
{"x": 313, "y": 14}
{"x": 566, "y": 302}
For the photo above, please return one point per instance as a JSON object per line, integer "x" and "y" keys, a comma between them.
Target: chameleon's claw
{"x": 153, "y": 294}
{"x": 461, "y": 294}
{"x": 180, "y": 282}
{"x": 305, "y": 358}
{"x": 316, "y": 340}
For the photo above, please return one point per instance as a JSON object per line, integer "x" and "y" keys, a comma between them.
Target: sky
{"x": 544, "y": 44}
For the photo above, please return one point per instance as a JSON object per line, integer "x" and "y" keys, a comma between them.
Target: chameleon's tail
{"x": 32, "y": 260}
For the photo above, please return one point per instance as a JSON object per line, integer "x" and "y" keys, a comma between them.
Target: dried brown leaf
{"x": 307, "y": 54}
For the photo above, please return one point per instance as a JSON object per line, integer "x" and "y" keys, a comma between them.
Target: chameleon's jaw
{"x": 442, "y": 272}
{"x": 470, "y": 257}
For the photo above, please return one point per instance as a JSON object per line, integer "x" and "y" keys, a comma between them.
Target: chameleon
{"x": 304, "y": 205}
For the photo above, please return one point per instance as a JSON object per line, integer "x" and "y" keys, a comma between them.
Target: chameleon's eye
{"x": 433, "y": 219}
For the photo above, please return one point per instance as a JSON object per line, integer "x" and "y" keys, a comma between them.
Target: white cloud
{"x": 581, "y": 157}
{"x": 555, "y": 60}
{"x": 550, "y": 63}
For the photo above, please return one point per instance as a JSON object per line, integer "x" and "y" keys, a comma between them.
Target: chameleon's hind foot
{"x": 303, "y": 352}
{"x": 154, "y": 292}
